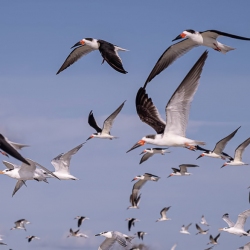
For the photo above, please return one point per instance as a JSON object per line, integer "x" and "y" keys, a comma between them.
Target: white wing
{"x": 226, "y": 218}
{"x": 177, "y": 109}
{"x": 173, "y": 247}
{"x": 242, "y": 217}
{"x": 28, "y": 168}
{"x": 10, "y": 165}
{"x": 240, "y": 149}
{"x": 107, "y": 244}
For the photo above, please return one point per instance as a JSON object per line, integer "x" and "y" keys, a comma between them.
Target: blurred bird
{"x": 213, "y": 241}
{"x": 163, "y": 214}
{"x": 149, "y": 152}
{"x": 183, "y": 170}
{"x": 80, "y": 220}
{"x": 20, "y": 224}
{"x": 30, "y": 238}
{"x": 245, "y": 247}
{"x": 201, "y": 231}
{"x": 140, "y": 234}
{"x": 131, "y": 222}
{"x": 184, "y": 229}
{"x": 76, "y": 234}
{"x": 203, "y": 221}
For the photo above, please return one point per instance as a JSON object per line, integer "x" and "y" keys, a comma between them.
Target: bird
{"x": 238, "y": 228}
{"x": 2, "y": 243}
{"x": 61, "y": 164}
{"x": 76, "y": 234}
{"x": 30, "y": 238}
{"x": 10, "y": 148}
{"x": 209, "y": 248}
{"x": 204, "y": 221}
{"x": 193, "y": 39}
{"x": 183, "y": 170}
{"x": 217, "y": 152}
{"x": 149, "y": 152}
{"x": 108, "y": 51}
{"x": 80, "y": 220}
{"x": 20, "y": 224}
{"x": 245, "y": 247}
{"x": 135, "y": 197}
{"x": 131, "y": 222}
{"x": 104, "y": 133}
{"x": 163, "y": 214}
{"x": 26, "y": 172}
{"x": 140, "y": 234}
{"x": 112, "y": 237}
{"x": 173, "y": 131}
{"x": 201, "y": 231}
{"x": 213, "y": 241}
{"x": 237, "y": 160}
{"x": 184, "y": 229}
{"x": 173, "y": 247}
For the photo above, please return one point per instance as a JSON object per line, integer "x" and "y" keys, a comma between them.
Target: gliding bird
{"x": 183, "y": 170}
{"x": 184, "y": 229}
{"x": 201, "y": 231}
{"x": 213, "y": 241}
{"x": 20, "y": 224}
{"x": 163, "y": 214}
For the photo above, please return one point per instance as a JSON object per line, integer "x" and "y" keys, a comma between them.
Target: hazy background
{"x": 49, "y": 112}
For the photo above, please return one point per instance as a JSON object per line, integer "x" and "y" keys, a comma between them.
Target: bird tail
{"x": 119, "y": 48}
{"x": 224, "y": 48}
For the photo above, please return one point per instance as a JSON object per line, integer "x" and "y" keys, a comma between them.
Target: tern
{"x": 194, "y": 39}
{"x": 131, "y": 222}
{"x": 61, "y": 164}
{"x": 104, "y": 133}
{"x": 140, "y": 234}
{"x": 10, "y": 148}
{"x": 76, "y": 234}
{"x": 30, "y": 238}
{"x": 201, "y": 231}
{"x": 184, "y": 229}
{"x": 149, "y": 152}
{"x": 80, "y": 220}
{"x": 20, "y": 224}
{"x": 237, "y": 160}
{"x": 183, "y": 170}
{"x": 135, "y": 197}
{"x": 173, "y": 132}
{"x": 204, "y": 221}
{"x": 26, "y": 172}
{"x": 245, "y": 247}
{"x": 217, "y": 152}
{"x": 163, "y": 214}
{"x": 213, "y": 241}
{"x": 238, "y": 228}
{"x": 108, "y": 51}
{"x": 112, "y": 237}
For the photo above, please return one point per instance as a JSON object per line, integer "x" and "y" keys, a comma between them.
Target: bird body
{"x": 20, "y": 224}
{"x": 184, "y": 229}
{"x": 76, "y": 233}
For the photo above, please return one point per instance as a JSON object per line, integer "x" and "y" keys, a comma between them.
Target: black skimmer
{"x": 184, "y": 229}
{"x": 140, "y": 234}
{"x": 183, "y": 170}
{"x": 10, "y": 148}
{"x": 108, "y": 51}
{"x": 80, "y": 220}
{"x": 20, "y": 224}
{"x": 149, "y": 152}
{"x": 76, "y": 234}
{"x": 213, "y": 241}
{"x": 194, "y": 39}
{"x": 201, "y": 231}
{"x": 134, "y": 200}
{"x": 173, "y": 132}
{"x": 61, "y": 164}
{"x": 238, "y": 227}
{"x": 104, "y": 133}
{"x": 204, "y": 221}
{"x": 237, "y": 160}
{"x": 217, "y": 152}
{"x": 30, "y": 238}
{"x": 112, "y": 237}
{"x": 163, "y": 214}
{"x": 131, "y": 222}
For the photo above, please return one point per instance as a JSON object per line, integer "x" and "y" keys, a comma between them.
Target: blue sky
{"x": 49, "y": 112}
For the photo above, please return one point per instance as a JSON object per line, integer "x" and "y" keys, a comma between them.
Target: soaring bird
{"x": 183, "y": 170}
{"x": 108, "y": 51}
{"x": 172, "y": 132}
{"x": 193, "y": 39}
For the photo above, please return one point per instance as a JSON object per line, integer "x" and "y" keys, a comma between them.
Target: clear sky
{"x": 49, "y": 112}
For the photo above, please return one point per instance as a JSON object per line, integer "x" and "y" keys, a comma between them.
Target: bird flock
{"x": 170, "y": 132}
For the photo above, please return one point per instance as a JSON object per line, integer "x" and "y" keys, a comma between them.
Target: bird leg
{"x": 103, "y": 61}
{"x": 190, "y": 147}
{"x": 216, "y": 47}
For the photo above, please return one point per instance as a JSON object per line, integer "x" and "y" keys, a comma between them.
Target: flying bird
{"x": 204, "y": 221}
{"x": 217, "y": 152}
{"x": 213, "y": 241}
{"x": 173, "y": 247}
{"x": 238, "y": 228}
{"x": 104, "y": 133}
{"x": 20, "y": 224}
{"x": 108, "y": 51}
{"x": 163, "y": 214}
{"x": 131, "y": 222}
{"x": 112, "y": 237}
{"x": 184, "y": 229}
{"x": 172, "y": 132}
{"x": 245, "y": 247}
{"x": 76, "y": 234}
{"x": 61, "y": 164}
{"x": 80, "y": 220}
{"x": 30, "y": 238}
{"x": 140, "y": 234}
{"x": 183, "y": 170}
{"x": 149, "y": 152}
{"x": 237, "y": 160}
{"x": 134, "y": 199}
{"x": 201, "y": 231}
{"x": 193, "y": 39}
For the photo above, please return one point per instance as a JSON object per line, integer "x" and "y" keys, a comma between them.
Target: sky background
{"x": 49, "y": 112}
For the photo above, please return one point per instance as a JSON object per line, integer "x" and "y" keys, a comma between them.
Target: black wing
{"x": 93, "y": 123}
{"x": 216, "y": 33}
